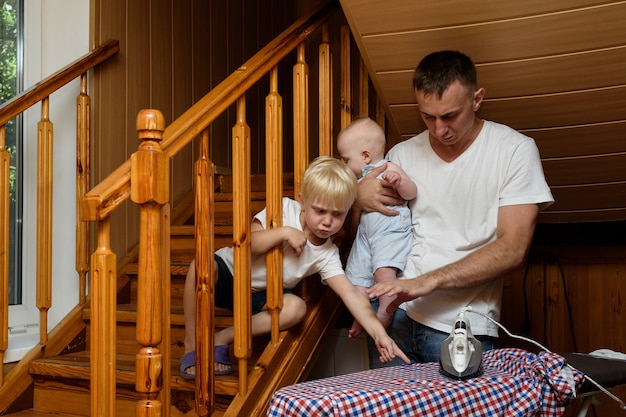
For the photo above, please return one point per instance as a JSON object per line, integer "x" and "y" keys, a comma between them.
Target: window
{"x": 11, "y": 41}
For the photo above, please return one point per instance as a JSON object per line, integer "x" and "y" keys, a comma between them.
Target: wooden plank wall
{"x": 572, "y": 297}
{"x": 172, "y": 52}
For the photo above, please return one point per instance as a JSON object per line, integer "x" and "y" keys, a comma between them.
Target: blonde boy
{"x": 327, "y": 192}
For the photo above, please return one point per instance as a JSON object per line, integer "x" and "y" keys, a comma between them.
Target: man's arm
{"x": 516, "y": 225}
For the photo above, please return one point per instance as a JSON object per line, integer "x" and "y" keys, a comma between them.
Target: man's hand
{"x": 374, "y": 194}
{"x": 404, "y": 289}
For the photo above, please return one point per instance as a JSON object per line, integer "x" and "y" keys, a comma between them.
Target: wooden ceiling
{"x": 555, "y": 71}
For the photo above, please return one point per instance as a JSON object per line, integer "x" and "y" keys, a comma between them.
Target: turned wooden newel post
{"x": 149, "y": 179}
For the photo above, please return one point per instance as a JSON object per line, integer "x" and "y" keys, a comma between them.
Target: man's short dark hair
{"x": 438, "y": 70}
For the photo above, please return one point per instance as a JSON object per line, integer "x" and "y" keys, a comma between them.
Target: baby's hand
{"x": 392, "y": 177}
{"x": 295, "y": 238}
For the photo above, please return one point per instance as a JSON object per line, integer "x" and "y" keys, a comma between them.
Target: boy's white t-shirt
{"x": 323, "y": 259}
{"x": 502, "y": 167}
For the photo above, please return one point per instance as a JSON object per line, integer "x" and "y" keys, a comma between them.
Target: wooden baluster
{"x": 274, "y": 210}
{"x": 83, "y": 138}
{"x": 364, "y": 90}
{"x": 149, "y": 188}
{"x": 300, "y": 118}
{"x": 241, "y": 241}
{"x": 166, "y": 291}
{"x": 205, "y": 307}
{"x": 300, "y": 128}
{"x": 103, "y": 323}
{"x": 325, "y": 95}
{"x": 44, "y": 218}
{"x": 5, "y": 190}
{"x": 346, "y": 93}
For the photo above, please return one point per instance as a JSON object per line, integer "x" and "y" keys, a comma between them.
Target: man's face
{"x": 450, "y": 119}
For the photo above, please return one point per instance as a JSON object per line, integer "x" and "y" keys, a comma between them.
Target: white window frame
{"x": 56, "y": 33}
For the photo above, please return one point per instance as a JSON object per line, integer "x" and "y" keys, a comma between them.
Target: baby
{"x": 382, "y": 243}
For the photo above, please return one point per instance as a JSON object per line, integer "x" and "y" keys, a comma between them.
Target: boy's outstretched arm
{"x": 363, "y": 312}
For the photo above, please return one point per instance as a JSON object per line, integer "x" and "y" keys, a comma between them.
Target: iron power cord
{"x": 540, "y": 346}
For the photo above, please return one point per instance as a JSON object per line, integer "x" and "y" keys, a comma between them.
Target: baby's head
{"x": 327, "y": 192}
{"x": 361, "y": 143}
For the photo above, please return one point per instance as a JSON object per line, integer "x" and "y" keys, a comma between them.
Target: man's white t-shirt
{"x": 456, "y": 213}
{"x": 323, "y": 259}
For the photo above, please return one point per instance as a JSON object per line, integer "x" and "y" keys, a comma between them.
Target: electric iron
{"x": 461, "y": 354}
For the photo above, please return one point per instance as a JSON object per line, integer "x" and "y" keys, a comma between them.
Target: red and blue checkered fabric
{"x": 514, "y": 383}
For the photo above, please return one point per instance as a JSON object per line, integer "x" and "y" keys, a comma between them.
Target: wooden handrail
{"x": 52, "y": 83}
{"x": 40, "y": 92}
{"x": 113, "y": 190}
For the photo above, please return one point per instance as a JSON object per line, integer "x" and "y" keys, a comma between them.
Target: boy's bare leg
{"x": 385, "y": 274}
{"x": 356, "y": 328}
{"x": 189, "y": 308}
{"x": 292, "y": 313}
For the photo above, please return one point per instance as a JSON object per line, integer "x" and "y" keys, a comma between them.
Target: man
{"x": 481, "y": 188}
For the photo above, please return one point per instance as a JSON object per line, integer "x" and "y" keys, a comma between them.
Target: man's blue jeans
{"x": 420, "y": 343}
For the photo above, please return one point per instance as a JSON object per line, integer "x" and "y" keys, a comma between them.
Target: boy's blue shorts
{"x": 224, "y": 289}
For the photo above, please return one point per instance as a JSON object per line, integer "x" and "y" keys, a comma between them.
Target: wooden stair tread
{"x": 78, "y": 366}
{"x": 127, "y": 313}
{"x": 36, "y": 413}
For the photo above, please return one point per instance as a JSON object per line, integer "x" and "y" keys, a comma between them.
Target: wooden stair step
{"x": 36, "y": 413}
{"x": 127, "y": 313}
{"x": 77, "y": 366}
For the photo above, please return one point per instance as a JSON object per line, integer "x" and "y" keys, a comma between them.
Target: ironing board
{"x": 514, "y": 383}
{"x": 609, "y": 373}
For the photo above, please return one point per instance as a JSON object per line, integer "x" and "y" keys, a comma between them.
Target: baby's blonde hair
{"x": 367, "y": 134}
{"x": 329, "y": 181}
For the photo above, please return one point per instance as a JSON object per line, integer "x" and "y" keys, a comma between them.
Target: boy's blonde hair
{"x": 329, "y": 181}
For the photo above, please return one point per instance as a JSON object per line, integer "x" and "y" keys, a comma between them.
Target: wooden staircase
{"x": 65, "y": 383}
{"x": 62, "y": 383}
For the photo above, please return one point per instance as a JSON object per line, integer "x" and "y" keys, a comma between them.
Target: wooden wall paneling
{"x": 589, "y": 197}
{"x": 542, "y": 35}
{"x": 552, "y": 74}
{"x": 523, "y": 301}
{"x": 109, "y": 124}
{"x": 201, "y": 78}
{"x": 138, "y": 93}
{"x": 255, "y": 97}
{"x": 162, "y": 88}
{"x": 585, "y": 107}
{"x": 558, "y": 326}
{"x": 575, "y": 216}
{"x": 579, "y": 140}
{"x": 407, "y": 119}
{"x": 595, "y": 284}
{"x": 201, "y": 71}
{"x": 219, "y": 134}
{"x": 234, "y": 58}
{"x": 549, "y": 74}
{"x": 181, "y": 85}
{"x": 574, "y": 171}
{"x": 374, "y": 19}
